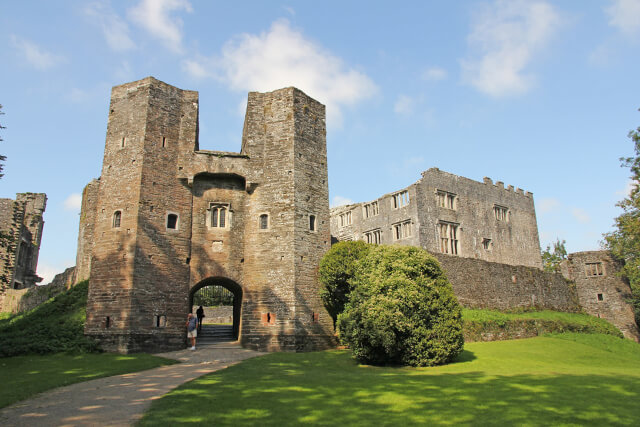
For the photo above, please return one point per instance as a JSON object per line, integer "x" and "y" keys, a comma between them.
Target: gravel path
{"x": 120, "y": 400}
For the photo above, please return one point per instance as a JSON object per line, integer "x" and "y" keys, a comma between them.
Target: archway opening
{"x": 221, "y": 299}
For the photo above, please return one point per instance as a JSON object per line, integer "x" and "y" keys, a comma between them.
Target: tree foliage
{"x": 401, "y": 310}
{"x": 337, "y": 269}
{"x": 624, "y": 241}
{"x": 551, "y": 259}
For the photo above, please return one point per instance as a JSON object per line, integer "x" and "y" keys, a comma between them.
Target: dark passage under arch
{"x": 230, "y": 285}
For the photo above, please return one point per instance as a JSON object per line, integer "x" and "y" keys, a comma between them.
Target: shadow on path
{"x": 122, "y": 399}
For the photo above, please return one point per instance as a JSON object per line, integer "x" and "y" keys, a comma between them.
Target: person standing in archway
{"x": 192, "y": 330}
{"x": 200, "y": 314}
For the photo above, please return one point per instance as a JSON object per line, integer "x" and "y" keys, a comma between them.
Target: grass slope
{"x": 54, "y": 326}
{"x": 560, "y": 380}
{"x": 487, "y": 325}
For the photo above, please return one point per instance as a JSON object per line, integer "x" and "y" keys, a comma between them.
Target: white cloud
{"x": 625, "y": 15}
{"x": 114, "y": 28}
{"x": 155, "y": 16}
{"x": 196, "y": 69}
{"x": 548, "y": 205}
{"x": 34, "y": 54}
{"x": 404, "y": 105}
{"x": 73, "y": 202}
{"x": 48, "y": 272}
{"x": 283, "y": 57}
{"x": 580, "y": 215}
{"x": 626, "y": 192}
{"x": 434, "y": 74}
{"x": 340, "y": 201}
{"x": 505, "y": 37}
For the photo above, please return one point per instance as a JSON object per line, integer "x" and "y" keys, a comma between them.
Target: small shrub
{"x": 401, "y": 310}
{"x": 336, "y": 270}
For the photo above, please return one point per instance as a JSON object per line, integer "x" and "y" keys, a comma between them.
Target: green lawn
{"x": 24, "y": 376}
{"x": 566, "y": 379}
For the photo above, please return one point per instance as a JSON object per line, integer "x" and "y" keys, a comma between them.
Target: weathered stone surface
{"x": 19, "y": 300}
{"x": 601, "y": 291}
{"x": 21, "y": 224}
{"x": 482, "y": 284}
{"x": 154, "y": 173}
{"x": 471, "y": 208}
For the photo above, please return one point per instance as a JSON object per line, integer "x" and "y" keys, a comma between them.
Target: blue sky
{"x": 538, "y": 94}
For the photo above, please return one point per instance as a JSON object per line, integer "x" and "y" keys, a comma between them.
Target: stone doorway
{"x": 219, "y": 290}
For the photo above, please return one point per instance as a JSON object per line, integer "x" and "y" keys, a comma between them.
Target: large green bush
{"x": 401, "y": 310}
{"x": 337, "y": 269}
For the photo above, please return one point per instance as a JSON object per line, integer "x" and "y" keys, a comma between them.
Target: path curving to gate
{"x": 121, "y": 400}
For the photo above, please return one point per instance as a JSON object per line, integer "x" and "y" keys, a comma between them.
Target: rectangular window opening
{"x": 218, "y": 215}
{"x": 501, "y": 213}
{"x": 400, "y": 199}
{"x": 370, "y": 209}
{"x": 402, "y": 230}
{"x": 446, "y": 200}
{"x": 345, "y": 219}
{"x": 448, "y": 234}
{"x": 600, "y": 297}
{"x": 594, "y": 269}
{"x": 486, "y": 244}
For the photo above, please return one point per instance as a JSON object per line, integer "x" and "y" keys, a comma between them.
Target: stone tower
{"x": 169, "y": 219}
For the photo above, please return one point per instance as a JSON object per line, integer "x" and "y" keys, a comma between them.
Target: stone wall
{"x": 86, "y": 228}
{"x": 220, "y": 314}
{"x": 21, "y": 224}
{"x": 440, "y": 199}
{"x": 482, "y": 284}
{"x": 600, "y": 289}
{"x": 19, "y": 300}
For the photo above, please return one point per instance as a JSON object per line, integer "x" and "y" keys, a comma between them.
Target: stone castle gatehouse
{"x": 166, "y": 218}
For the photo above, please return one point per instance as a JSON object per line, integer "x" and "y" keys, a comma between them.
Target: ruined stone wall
{"x": 357, "y": 221}
{"x": 86, "y": 237}
{"x": 600, "y": 289}
{"x": 470, "y": 209}
{"x": 144, "y": 271}
{"x": 21, "y": 225}
{"x": 482, "y": 284}
{"x": 511, "y": 240}
{"x": 20, "y": 300}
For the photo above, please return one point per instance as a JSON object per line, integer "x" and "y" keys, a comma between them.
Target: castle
{"x": 166, "y": 219}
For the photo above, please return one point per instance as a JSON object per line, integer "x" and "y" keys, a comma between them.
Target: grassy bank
{"x": 54, "y": 326}
{"x": 490, "y": 325}
{"x": 562, "y": 380}
{"x": 57, "y": 326}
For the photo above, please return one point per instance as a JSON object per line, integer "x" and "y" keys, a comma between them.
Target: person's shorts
{"x": 192, "y": 334}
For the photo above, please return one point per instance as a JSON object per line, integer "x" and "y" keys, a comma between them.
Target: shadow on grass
{"x": 24, "y": 376}
{"x": 333, "y": 389}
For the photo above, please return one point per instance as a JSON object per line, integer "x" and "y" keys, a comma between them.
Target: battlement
{"x": 486, "y": 181}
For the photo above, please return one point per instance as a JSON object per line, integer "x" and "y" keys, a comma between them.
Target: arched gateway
{"x": 234, "y": 288}
{"x": 166, "y": 217}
